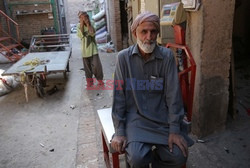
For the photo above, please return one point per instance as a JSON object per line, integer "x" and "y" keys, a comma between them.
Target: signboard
{"x": 191, "y": 5}
{"x": 172, "y": 14}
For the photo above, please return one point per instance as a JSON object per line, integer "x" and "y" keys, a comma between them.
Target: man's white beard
{"x": 145, "y": 47}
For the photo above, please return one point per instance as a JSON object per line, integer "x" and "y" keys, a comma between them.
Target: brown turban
{"x": 82, "y": 13}
{"x": 146, "y": 17}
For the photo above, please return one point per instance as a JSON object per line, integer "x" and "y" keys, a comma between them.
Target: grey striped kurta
{"x": 147, "y": 103}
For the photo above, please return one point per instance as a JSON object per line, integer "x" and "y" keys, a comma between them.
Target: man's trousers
{"x": 140, "y": 155}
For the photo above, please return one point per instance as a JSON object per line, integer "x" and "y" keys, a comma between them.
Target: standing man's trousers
{"x": 140, "y": 155}
{"x": 93, "y": 66}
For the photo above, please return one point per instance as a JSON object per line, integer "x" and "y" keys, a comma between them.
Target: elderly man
{"x": 147, "y": 106}
{"x": 91, "y": 60}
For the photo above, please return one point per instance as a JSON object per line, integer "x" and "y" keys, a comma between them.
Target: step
{"x": 9, "y": 47}
{"x": 15, "y": 57}
{"x": 4, "y": 38}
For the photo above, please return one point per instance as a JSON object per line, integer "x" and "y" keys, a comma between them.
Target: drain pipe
{"x": 54, "y": 15}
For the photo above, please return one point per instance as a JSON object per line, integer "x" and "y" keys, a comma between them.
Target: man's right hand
{"x": 118, "y": 143}
{"x": 81, "y": 24}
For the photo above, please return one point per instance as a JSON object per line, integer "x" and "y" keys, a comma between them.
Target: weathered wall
{"x": 115, "y": 23}
{"x": 2, "y": 20}
{"x": 194, "y": 42}
{"x": 2, "y": 6}
{"x": 31, "y": 25}
{"x": 78, "y": 5}
{"x": 210, "y": 40}
{"x": 241, "y": 33}
{"x": 72, "y": 17}
{"x": 31, "y": 22}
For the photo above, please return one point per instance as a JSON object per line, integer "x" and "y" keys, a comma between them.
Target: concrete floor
{"x": 42, "y": 132}
{"x": 48, "y": 133}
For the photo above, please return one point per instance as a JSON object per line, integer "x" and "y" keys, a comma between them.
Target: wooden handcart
{"x": 47, "y": 54}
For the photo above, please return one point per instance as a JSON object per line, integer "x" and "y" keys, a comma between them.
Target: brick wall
{"x": 115, "y": 23}
{"x": 1, "y": 6}
{"x": 2, "y": 19}
{"x": 32, "y": 18}
{"x": 33, "y": 24}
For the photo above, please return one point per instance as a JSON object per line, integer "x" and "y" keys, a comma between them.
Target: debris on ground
{"x": 200, "y": 141}
{"x": 100, "y": 97}
{"x": 7, "y": 83}
{"x": 105, "y": 106}
{"x": 53, "y": 90}
{"x": 72, "y": 107}
{"x": 227, "y": 150}
{"x": 42, "y": 145}
{"x": 107, "y": 47}
{"x": 52, "y": 150}
{"x": 73, "y": 28}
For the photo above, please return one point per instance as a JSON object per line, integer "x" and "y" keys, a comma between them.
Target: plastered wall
{"x": 31, "y": 22}
{"x": 209, "y": 36}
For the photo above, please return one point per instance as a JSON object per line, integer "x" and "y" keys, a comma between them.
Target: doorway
{"x": 239, "y": 103}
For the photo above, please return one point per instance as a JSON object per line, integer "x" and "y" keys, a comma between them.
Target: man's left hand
{"x": 179, "y": 141}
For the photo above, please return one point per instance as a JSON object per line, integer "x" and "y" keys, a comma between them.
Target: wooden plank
{"x": 49, "y": 46}
{"x": 107, "y": 124}
{"x": 54, "y": 62}
{"x": 4, "y": 38}
{"x": 9, "y": 47}
{"x": 44, "y": 43}
{"x": 51, "y": 42}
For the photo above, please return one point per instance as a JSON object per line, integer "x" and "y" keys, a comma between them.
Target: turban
{"x": 82, "y": 13}
{"x": 146, "y": 17}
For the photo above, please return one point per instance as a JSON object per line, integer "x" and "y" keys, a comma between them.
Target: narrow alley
{"x": 62, "y": 129}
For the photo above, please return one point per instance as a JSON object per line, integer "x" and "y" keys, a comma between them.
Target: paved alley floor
{"x": 62, "y": 130}
{"x": 43, "y": 133}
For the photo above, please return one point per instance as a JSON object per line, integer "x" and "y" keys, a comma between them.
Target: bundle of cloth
{"x": 99, "y": 15}
{"x": 100, "y": 27}
{"x": 7, "y": 83}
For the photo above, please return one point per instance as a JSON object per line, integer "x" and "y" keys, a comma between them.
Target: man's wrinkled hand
{"x": 118, "y": 143}
{"x": 179, "y": 141}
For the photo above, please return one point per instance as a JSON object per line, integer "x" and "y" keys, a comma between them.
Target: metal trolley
{"x": 47, "y": 54}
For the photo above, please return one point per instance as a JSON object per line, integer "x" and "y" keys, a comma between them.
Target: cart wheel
{"x": 65, "y": 75}
{"x": 43, "y": 80}
{"x": 39, "y": 87}
{"x": 68, "y": 67}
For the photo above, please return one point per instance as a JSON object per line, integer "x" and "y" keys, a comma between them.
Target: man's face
{"x": 146, "y": 34}
{"x": 84, "y": 18}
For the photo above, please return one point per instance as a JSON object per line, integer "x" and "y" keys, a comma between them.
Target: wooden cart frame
{"x": 47, "y": 54}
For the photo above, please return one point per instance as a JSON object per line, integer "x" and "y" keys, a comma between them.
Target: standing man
{"x": 147, "y": 106}
{"x": 91, "y": 60}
